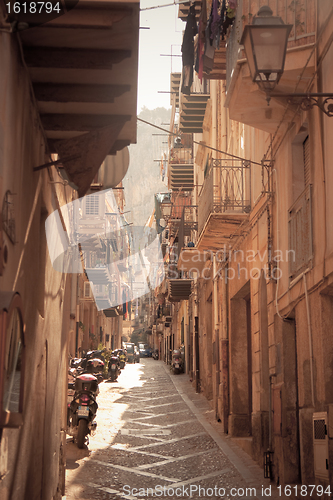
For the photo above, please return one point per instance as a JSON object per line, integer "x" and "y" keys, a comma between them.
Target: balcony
{"x": 224, "y": 203}
{"x": 83, "y": 67}
{"x": 112, "y": 312}
{"x": 192, "y": 112}
{"x": 179, "y": 289}
{"x": 174, "y": 88}
{"x": 218, "y": 71}
{"x": 189, "y": 258}
{"x": 181, "y": 173}
{"x": 178, "y": 200}
{"x": 99, "y": 275}
{"x": 184, "y": 8}
{"x": 246, "y": 103}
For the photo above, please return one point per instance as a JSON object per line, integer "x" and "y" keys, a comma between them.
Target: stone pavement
{"x": 157, "y": 438}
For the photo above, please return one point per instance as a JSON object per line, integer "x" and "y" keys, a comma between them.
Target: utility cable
{"x": 201, "y": 144}
{"x": 159, "y": 6}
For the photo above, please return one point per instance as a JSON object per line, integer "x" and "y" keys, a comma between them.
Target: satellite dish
{"x": 114, "y": 169}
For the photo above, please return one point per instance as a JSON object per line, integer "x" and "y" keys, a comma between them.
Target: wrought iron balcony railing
{"x": 226, "y": 190}
{"x": 188, "y": 227}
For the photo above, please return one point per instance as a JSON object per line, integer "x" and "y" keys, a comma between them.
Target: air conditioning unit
{"x": 87, "y": 291}
{"x": 168, "y": 319}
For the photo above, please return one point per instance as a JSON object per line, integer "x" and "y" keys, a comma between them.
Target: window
{"x": 87, "y": 290}
{"x": 301, "y": 163}
{"x": 12, "y": 360}
{"x": 300, "y": 234}
{"x": 92, "y": 204}
{"x": 300, "y": 212}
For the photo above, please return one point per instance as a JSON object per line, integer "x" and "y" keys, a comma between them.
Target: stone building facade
{"x": 258, "y": 343}
{"x": 51, "y": 96}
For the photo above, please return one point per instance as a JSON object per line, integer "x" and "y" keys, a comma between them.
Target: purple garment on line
{"x": 215, "y": 19}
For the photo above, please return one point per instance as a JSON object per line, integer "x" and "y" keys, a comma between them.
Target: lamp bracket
{"x": 307, "y": 100}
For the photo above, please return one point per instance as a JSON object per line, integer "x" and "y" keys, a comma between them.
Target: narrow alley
{"x": 166, "y": 194}
{"x": 157, "y": 438}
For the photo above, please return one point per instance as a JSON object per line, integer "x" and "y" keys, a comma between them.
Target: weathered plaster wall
{"x": 34, "y": 450}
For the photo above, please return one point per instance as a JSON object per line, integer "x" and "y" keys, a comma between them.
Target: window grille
{"x": 320, "y": 445}
{"x": 319, "y": 429}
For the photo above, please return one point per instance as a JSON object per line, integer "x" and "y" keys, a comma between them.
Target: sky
{"x": 163, "y": 37}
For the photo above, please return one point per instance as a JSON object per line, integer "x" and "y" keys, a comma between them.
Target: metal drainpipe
{"x": 73, "y": 319}
{"x": 216, "y": 328}
{"x": 270, "y": 413}
{"x": 225, "y": 336}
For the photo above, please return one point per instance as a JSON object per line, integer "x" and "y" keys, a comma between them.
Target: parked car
{"x": 145, "y": 351}
{"x": 129, "y": 352}
{"x": 136, "y": 354}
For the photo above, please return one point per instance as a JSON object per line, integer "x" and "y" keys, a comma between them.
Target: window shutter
{"x": 92, "y": 204}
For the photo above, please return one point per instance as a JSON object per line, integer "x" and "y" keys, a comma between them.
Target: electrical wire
{"x": 201, "y": 144}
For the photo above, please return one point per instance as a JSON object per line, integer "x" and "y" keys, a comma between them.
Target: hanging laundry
{"x": 223, "y": 14}
{"x": 201, "y": 40}
{"x": 214, "y": 21}
{"x": 208, "y": 59}
{"x": 188, "y": 51}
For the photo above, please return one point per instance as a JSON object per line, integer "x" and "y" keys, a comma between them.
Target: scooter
{"x": 114, "y": 368}
{"x": 83, "y": 408}
{"x": 177, "y": 362}
{"x": 155, "y": 354}
{"x": 95, "y": 366}
{"x": 122, "y": 358}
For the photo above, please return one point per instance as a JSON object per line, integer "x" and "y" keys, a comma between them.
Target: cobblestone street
{"x": 155, "y": 432}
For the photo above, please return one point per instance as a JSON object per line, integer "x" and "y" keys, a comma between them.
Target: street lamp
{"x": 265, "y": 44}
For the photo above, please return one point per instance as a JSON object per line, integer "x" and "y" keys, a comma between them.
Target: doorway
{"x": 240, "y": 354}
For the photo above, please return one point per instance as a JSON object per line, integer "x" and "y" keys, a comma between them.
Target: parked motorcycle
{"x": 177, "y": 362}
{"x": 155, "y": 354}
{"x": 95, "y": 366}
{"x": 122, "y": 358}
{"x": 83, "y": 408}
{"x": 114, "y": 368}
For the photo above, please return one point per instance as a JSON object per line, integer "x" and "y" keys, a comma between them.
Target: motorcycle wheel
{"x": 82, "y": 432}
